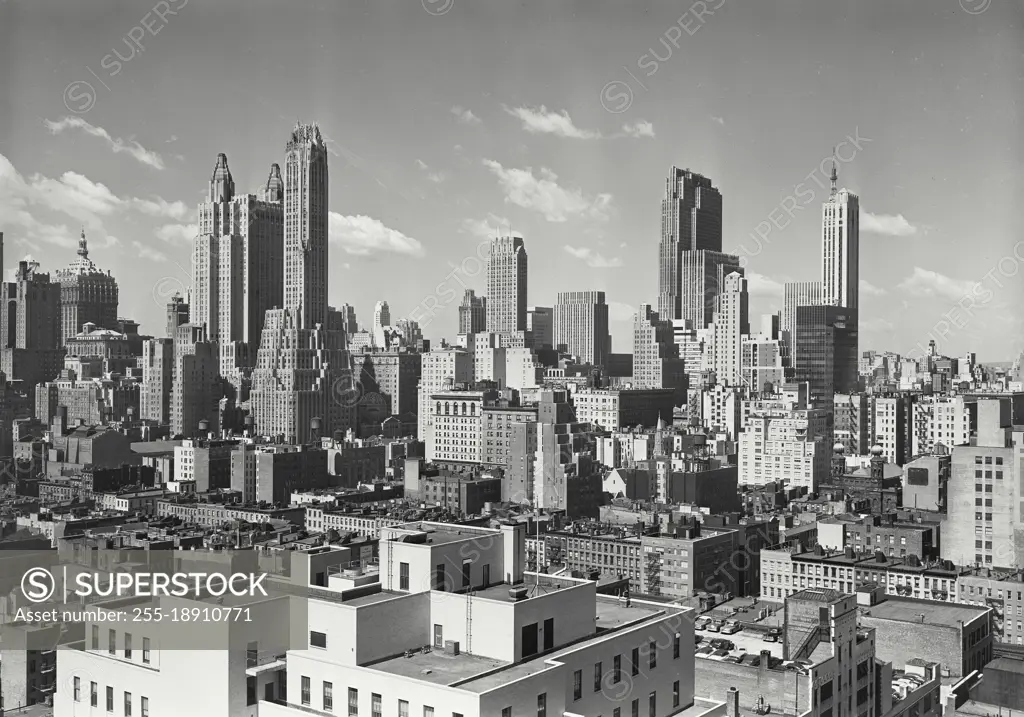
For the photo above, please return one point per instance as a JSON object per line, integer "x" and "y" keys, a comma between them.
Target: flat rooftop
{"x": 926, "y": 612}
{"x": 440, "y": 533}
{"x": 436, "y": 666}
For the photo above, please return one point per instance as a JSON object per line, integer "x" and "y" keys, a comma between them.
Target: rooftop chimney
{"x": 732, "y": 702}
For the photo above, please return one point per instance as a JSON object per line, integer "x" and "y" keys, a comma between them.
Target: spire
{"x": 835, "y": 175}
{"x": 275, "y": 185}
{"x": 83, "y": 247}
{"x": 222, "y": 186}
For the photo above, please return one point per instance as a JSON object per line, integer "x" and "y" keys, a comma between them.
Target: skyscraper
{"x": 540, "y": 323}
{"x": 797, "y": 293}
{"x": 157, "y": 380}
{"x": 30, "y": 326}
{"x": 196, "y": 387}
{"x": 381, "y": 321}
{"x": 656, "y": 362}
{"x": 580, "y": 325}
{"x": 236, "y": 266}
{"x": 305, "y": 226}
{"x": 506, "y": 285}
{"x": 730, "y": 325}
{"x": 840, "y": 247}
{"x": 702, "y": 276}
{"x": 177, "y": 314}
{"x": 691, "y": 220}
{"x": 825, "y": 353}
{"x": 472, "y": 313}
{"x": 87, "y": 295}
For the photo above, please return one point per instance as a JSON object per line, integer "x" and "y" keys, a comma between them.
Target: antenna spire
{"x": 835, "y": 175}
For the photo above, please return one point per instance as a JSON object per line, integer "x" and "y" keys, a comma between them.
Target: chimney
{"x": 732, "y": 702}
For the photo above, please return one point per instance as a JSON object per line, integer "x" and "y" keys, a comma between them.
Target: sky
{"x": 449, "y": 120}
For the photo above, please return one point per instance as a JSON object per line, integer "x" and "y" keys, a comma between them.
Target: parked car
{"x": 720, "y": 643}
{"x": 697, "y": 639}
{"x": 701, "y": 623}
{"x": 773, "y": 635}
{"x": 731, "y": 627}
{"x": 719, "y": 655}
{"x": 703, "y": 652}
{"x": 715, "y": 626}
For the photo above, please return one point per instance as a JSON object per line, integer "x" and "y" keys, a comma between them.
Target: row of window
{"x": 127, "y": 644}
{"x": 634, "y": 670}
{"x": 94, "y": 692}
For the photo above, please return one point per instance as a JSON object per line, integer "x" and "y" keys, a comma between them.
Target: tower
{"x": 87, "y": 295}
{"x": 506, "y": 285}
{"x": 305, "y": 226}
{"x": 730, "y": 325}
{"x": 840, "y": 246}
{"x": 580, "y": 324}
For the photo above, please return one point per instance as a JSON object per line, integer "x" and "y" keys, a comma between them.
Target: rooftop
{"x": 927, "y": 612}
{"x": 818, "y": 595}
{"x": 436, "y": 666}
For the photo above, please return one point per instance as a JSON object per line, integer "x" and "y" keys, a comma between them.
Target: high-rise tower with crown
{"x": 840, "y": 247}
{"x": 87, "y": 295}
{"x": 305, "y": 225}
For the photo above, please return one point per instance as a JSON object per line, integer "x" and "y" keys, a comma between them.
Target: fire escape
{"x": 653, "y": 573}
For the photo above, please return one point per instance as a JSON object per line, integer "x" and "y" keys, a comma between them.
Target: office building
{"x": 87, "y": 295}
{"x": 780, "y": 446}
{"x": 540, "y": 322}
{"x": 615, "y": 409}
{"x": 853, "y": 420}
{"x": 442, "y": 370}
{"x": 196, "y": 391}
{"x": 305, "y": 226}
{"x": 840, "y": 247}
{"x": 656, "y": 362}
{"x": 381, "y": 325}
{"x": 506, "y": 285}
{"x": 799, "y": 293}
{"x": 730, "y": 325}
{"x": 472, "y": 313}
{"x": 580, "y": 326}
{"x": 177, "y": 314}
{"x": 891, "y": 418}
{"x": 393, "y": 374}
{"x": 942, "y": 419}
{"x": 825, "y": 352}
{"x": 157, "y": 380}
{"x": 30, "y": 327}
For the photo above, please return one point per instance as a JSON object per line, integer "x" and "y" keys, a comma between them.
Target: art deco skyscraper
{"x": 840, "y": 247}
{"x": 506, "y": 285}
{"x": 236, "y": 266}
{"x": 690, "y": 254}
{"x": 305, "y": 225}
{"x": 87, "y": 295}
{"x": 731, "y": 324}
{"x": 580, "y": 325}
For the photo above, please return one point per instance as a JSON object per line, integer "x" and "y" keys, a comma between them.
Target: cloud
{"x": 868, "y": 289}
{"x": 931, "y": 284}
{"x": 437, "y": 177}
{"x": 887, "y": 224}
{"x": 618, "y": 311}
{"x": 465, "y": 116}
{"x": 719, "y": 120}
{"x": 542, "y": 121}
{"x": 486, "y": 228}
{"x": 640, "y": 128}
{"x": 175, "y": 233}
{"x": 543, "y": 194}
{"x": 116, "y": 145}
{"x": 594, "y": 259}
{"x": 160, "y": 207}
{"x": 763, "y": 285}
{"x": 421, "y": 164}
{"x": 363, "y": 235}
{"x": 148, "y": 252}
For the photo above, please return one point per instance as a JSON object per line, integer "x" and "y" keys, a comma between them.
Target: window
{"x": 353, "y": 702}
{"x": 403, "y": 576}
{"x": 675, "y": 648}
{"x": 403, "y": 708}
{"x": 542, "y": 704}
{"x": 127, "y": 704}
{"x": 78, "y": 689}
{"x": 95, "y": 637}
{"x": 675, "y": 694}
{"x": 428, "y": 711}
{"x": 127, "y": 646}
{"x": 652, "y": 705}
{"x": 634, "y": 668}
{"x": 250, "y": 691}
{"x": 93, "y": 694}
{"x": 597, "y": 677}
{"x": 305, "y": 690}
{"x": 652, "y": 660}
{"x": 317, "y": 639}
{"x": 635, "y": 708}
{"x": 112, "y": 642}
{"x": 145, "y": 650}
{"x": 375, "y": 705}
{"x": 144, "y": 706}
{"x": 506, "y": 712}
{"x": 617, "y": 670}
{"x": 328, "y": 696}
{"x": 467, "y": 566}
{"x": 577, "y": 685}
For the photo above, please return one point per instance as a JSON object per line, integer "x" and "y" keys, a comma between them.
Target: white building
{"x": 940, "y": 419}
{"x": 731, "y": 323}
{"x": 721, "y": 409}
{"x": 441, "y": 370}
{"x": 784, "y": 446}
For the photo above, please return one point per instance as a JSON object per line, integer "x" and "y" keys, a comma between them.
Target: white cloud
{"x": 465, "y": 116}
{"x": 421, "y": 164}
{"x": 887, "y": 224}
{"x": 160, "y": 207}
{"x": 618, "y": 311}
{"x": 543, "y": 194}
{"x": 174, "y": 233}
{"x": 641, "y": 128}
{"x": 869, "y": 289}
{"x": 541, "y": 121}
{"x": 116, "y": 145}
{"x": 365, "y": 235}
{"x": 719, "y": 120}
{"x": 437, "y": 177}
{"x": 594, "y": 259}
{"x": 931, "y": 284}
{"x": 148, "y": 252}
{"x": 486, "y": 228}
{"x": 763, "y": 285}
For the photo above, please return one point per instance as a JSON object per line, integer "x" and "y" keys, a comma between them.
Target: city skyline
{"x": 536, "y": 159}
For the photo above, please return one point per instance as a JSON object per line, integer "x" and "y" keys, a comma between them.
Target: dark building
{"x": 875, "y": 489}
{"x": 752, "y": 534}
{"x": 825, "y": 352}
{"x": 177, "y": 314}
{"x": 30, "y": 329}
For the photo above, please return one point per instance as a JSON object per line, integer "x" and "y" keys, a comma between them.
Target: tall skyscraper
{"x": 506, "y": 285}
{"x": 303, "y": 369}
{"x": 691, "y": 220}
{"x": 656, "y": 362}
{"x": 797, "y": 293}
{"x": 472, "y": 313}
{"x": 236, "y": 266}
{"x": 157, "y": 380}
{"x": 305, "y": 226}
{"x": 196, "y": 390}
{"x": 840, "y": 247}
{"x": 580, "y": 325}
{"x": 826, "y": 352}
{"x": 731, "y": 324}
{"x": 381, "y": 322}
{"x": 348, "y": 319}
{"x": 87, "y": 295}
{"x": 702, "y": 276}
{"x": 540, "y": 323}
{"x": 30, "y": 327}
